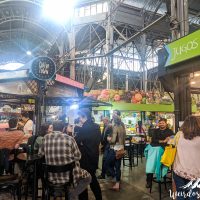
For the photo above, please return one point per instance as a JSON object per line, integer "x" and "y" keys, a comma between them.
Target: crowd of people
{"x": 62, "y": 144}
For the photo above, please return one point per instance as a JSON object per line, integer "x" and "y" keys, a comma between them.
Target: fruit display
{"x": 135, "y": 97}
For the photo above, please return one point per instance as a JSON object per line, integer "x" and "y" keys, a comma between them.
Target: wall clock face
{"x": 43, "y": 68}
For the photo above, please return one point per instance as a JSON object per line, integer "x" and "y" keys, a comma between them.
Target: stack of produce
{"x": 135, "y": 97}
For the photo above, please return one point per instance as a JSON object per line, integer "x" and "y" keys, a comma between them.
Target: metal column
{"x": 182, "y": 95}
{"x": 71, "y": 36}
{"x": 127, "y": 85}
{"x": 182, "y": 99}
{"x": 182, "y": 16}
{"x": 38, "y": 107}
{"x": 141, "y": 46}
{"x": 109, "y": 46}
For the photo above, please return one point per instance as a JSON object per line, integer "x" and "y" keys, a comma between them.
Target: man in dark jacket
{"x": 107, "y": 131}
{"x": 88, "y": 140}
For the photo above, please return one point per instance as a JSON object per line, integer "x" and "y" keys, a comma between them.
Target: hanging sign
{"x": 183, "y": 49}
{"x": 43, "y": 68}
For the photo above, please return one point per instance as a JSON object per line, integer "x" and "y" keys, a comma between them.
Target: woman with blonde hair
{"x": 187, "y": 161}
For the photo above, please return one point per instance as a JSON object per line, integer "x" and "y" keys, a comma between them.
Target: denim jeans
{"x": 105, "y": 164}
{"x": 113, "y": 163}
{"x": 82, "y": 185}
{"x": 118, "y": 169}
{"x": 180, "y": 182}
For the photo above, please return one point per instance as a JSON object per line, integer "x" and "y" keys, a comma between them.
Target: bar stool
{"x": 56, "y": 190}
{"x": 166, "y": 180}
{"x": 128, "y": 155}
{"x": 141, "y": 150}
{"x": 135, "y": 153}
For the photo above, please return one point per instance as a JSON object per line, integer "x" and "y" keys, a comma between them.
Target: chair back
{"x": 31, "y": 143}
{"x": 151, "y": 132}
{"x": 59, "y": 169}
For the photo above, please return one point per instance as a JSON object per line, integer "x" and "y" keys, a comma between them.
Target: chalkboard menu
{"x": 43, "y": 68}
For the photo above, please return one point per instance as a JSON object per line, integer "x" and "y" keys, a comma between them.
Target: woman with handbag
{"x": 187, "y": 163}
{"x": 117, "y": 142}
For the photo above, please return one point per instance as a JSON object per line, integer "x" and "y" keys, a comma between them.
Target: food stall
{"x": 39, "y": 88}
{"x": 136, "y": 106}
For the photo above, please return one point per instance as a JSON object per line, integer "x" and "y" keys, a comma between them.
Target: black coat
{"x": 107, "y": 131}
{"x": 161, "y": 135}
{"x": 88, "y": 140}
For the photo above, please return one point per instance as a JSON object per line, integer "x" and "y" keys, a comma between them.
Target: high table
{"x": 137, "y": 146}
{"x": 30, "y": 160}
{"x": 33, "y": 160}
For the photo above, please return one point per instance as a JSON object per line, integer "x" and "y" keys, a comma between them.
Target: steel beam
{"x": 120, "y": 34}
{"x": 122, "y": 45}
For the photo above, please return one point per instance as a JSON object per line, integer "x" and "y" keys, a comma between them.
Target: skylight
{"x": 11, "y": 66}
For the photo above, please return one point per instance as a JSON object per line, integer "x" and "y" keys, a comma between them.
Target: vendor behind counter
{"x": 162, "y": 135}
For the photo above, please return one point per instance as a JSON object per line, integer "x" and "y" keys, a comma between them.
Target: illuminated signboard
{"x": 183, "y": 49}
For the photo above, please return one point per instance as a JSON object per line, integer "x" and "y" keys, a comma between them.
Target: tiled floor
{"x": 132, "y": 187}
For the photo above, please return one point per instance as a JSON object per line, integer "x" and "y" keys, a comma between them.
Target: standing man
{"x": 26, "y": 123}
{"x": 160, "y": 137}
{"x": 88, "y": 139}
{"x": 107, "y": 131}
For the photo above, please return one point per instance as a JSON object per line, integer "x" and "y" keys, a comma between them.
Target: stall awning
{"x": 22, "y": 83}
{"x": 53, "y": 101}
{"x": 81, "y": 101}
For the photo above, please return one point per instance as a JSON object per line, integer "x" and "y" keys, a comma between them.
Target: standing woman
{"x": 117, "y": 142}
{"x": 187, "y": 162}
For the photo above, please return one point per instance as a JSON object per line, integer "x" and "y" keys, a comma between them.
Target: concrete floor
{"x": 132, "y": 187}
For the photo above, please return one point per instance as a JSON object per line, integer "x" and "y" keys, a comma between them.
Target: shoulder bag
{"x": 119, "y": 153}
{"x": 169, "y": 154}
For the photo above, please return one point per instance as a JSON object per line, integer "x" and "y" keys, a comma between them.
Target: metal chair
{"x": 57, "y": 190}
{"x": 165, "y": 180}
